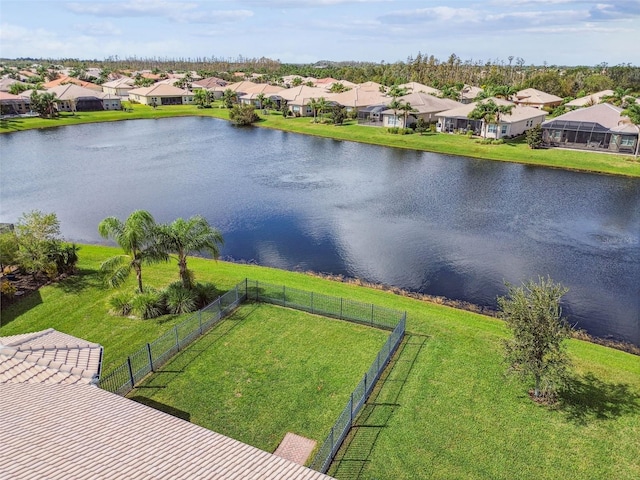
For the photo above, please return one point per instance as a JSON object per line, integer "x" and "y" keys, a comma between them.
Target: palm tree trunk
{"x": 139, "y": 277}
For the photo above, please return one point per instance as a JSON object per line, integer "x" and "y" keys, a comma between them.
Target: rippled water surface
{"x": 437, "y": 224}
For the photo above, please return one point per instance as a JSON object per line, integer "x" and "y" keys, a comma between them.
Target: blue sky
{"x": 560, "y": 32}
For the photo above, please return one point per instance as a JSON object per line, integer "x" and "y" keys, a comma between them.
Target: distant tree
{"x": 296, "y": 82}
{"x": 229, "y": 98}
{"x": 313, "y": 104}
{"x": 537, "y": 349}
{"x": 44, "y": 104}
{"x": 338, "y": 115}
{"x": 284, "y": 108}
{"x": 244, "y": 114}
{"x": 137, "y": 236}
{"x": 202, "y": 98}
{"x": 8, "y": 249}
{"x": 620, "y": 97}
{"x": 185, "y": 237}
{"x": 450, "y": 91}
{"x": 406, "y": 109}
{"x": 268, "y": 104}
{"x": 421, "y": 125}
{"x": 18, "y": 87}
{"x": 338, "y": 87}
{"x": 534, "y": 137}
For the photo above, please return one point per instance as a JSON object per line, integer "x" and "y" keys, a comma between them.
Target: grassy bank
{"x": 512, "y": 151}
{"x": 458, "y": 416}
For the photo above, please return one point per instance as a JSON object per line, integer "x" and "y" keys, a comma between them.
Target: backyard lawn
{"x": 456, "y": 416}
{"x": 265, "y": 371}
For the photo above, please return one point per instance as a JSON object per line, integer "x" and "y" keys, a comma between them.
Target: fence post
{"x": 237, "y": 297}
{"x": 200, "y": 320}
{"x": 365, "y": 385}
{"x": 177, "y": 338}
{"x": 351, "y": 411}
{"x": 133, "y": 382}
{"x": 150, "y": 357}
{"x": 340, "y": 308}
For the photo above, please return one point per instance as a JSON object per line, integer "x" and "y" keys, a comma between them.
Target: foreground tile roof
{"x": 48, "y": 357}
{"x": 80, "y": 431}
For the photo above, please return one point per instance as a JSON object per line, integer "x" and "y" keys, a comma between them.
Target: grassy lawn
{"x": 512, "y": 151}
{"x": 265, "y": 371}
{"x": 458, "y": 416}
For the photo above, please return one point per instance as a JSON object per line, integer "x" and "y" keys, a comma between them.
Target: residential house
{"x": 360, "y": 97}
{"x": 119, "y": 87}
{"x": 599, "y": 127}
{"x": 57, "y": 424}
{"x": 239, "y": 88}
{"x": 208, "y": 83}
{"x": 589, "y": 100}
{"x": 426, "y": 106}
{"x": 298, "y": 98}
{"x": 516, "y": 123}
{"x": 469, "y": 93}
{"x": 250, "y": 96}
{"x": 530, "y": 97}
{"x": 64, "y": 80}
{"x": 161, "y": 94}
{"x": 73, "y": 98}
{"x": 415, "y": 87}
{"x": 6, "y": 82}
{"x": 13, "y": 104}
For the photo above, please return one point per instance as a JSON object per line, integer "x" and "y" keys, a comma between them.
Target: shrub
{"x": 180, "y": 299}
{"x": 148, "y": 304}
{"x": 393, "y": 130}
{"x": 8, "y": 289}
{"x": 205, "y": 293}
{"x": 120, "y": 303}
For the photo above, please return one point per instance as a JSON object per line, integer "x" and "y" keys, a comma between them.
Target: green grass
{"x": 266, "y": 371}
{"x": 458, "y": 415}
{"x": 512, "y": 151}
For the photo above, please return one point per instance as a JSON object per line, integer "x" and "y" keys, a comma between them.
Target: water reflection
{"x": 437, "y": 224}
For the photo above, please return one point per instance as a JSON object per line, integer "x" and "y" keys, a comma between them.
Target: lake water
{"x": 436, "y": 224}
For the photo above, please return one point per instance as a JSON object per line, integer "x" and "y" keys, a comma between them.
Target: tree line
{"x": 564, "y": 81}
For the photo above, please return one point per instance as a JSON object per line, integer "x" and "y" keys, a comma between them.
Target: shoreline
{"x": 599, "y": 163}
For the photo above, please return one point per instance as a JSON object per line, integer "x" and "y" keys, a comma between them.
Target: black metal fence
{"x": 340, "y": 429}
{"x": 153, "y": 355}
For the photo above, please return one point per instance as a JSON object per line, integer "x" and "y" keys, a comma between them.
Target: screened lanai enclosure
{"x": 589, "y": 136}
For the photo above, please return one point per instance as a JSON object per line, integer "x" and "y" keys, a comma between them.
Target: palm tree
{"x": 313, "y": 104}
{"x": 619, "y": 96}
{"x": 268, "y": 104}
{"x": 202, "y": 98}
{"x": 395, "y": 105}
{"x": 260, "y": 97}
{"x": 323, "y": 104}
{"x": 406, "y": 108}
{"x": 137, "y": 236}
{"x": 229, "y": 97}
{"x": 489, "y": 112}
{"x": 633, "y": 113}
{"x": 184, "y": 237}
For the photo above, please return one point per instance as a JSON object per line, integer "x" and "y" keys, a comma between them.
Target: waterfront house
{"x": 73, "y": 98}
{"x": 13, "y": 104}
{"x": 599, "y": 127}
{"x": 119, "y": 87}
{"x": 298, "y": 98}
{"x": 65, "y": 80}
{"x": 160, "y": 94}
{"x": 516, "y": 123}
{"x": 426, "y": 106}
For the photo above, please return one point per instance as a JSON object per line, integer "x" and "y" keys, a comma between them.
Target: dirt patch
{"x": 25, "y": 285}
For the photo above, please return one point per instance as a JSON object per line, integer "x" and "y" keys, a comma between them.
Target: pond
{"x": 437, "y": 224}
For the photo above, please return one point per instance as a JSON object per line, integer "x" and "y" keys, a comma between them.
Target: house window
{"x": 503, "y": 131}
{"x": 493, "y": 128}
{"x": 627, "y": 141}
{"x": 392, "y": 121}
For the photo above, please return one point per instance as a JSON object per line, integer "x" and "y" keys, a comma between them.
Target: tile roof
{"x": 591, "y": 99}
{"x": 56, "y": 426}
{"x": 533, "y": 96}
{"x": 160, "y": 90}
{"x": 605, "y": 114}
{"x": 518, "y": 113}
{"x": 49, "y": 357}
{"x": 80, "y": 431}
{"x": 427, "y": 103}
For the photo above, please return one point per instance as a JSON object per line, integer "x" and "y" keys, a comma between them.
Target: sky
{"x": 558, "y": 32}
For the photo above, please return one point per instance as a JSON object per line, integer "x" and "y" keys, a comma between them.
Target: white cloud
{"x": 133, "y": 8}
{"x": 102, "y": 29}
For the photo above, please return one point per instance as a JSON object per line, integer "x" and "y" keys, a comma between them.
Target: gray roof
{"x": 605, "y": 114}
